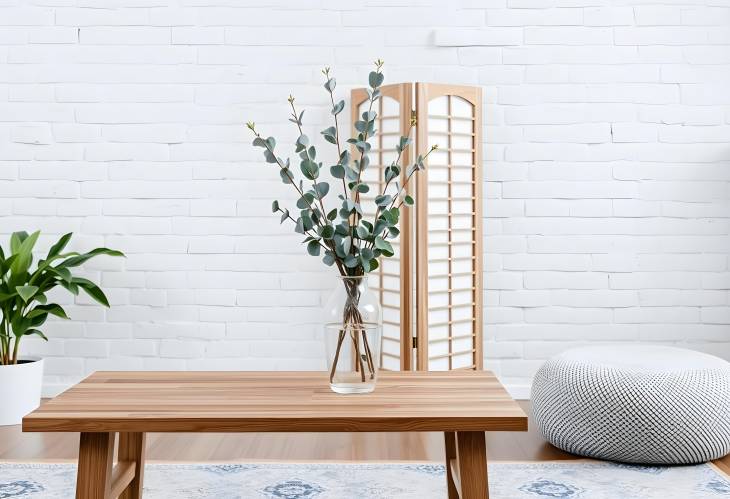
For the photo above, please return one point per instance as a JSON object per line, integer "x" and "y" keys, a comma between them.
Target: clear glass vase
{"x": 352, "y": 336}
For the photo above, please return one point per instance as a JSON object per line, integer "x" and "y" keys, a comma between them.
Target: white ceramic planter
{"x": 20, "y": 390}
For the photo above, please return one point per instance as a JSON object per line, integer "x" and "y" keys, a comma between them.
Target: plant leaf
{"x": 375, "y": 79}
{"x": 75, "y": 261}
{"x": 322, "y": 188}
{"x": 329, "y": 258}
{"x": 383, "y": 200}
{"x": 35, "y": 332}
{"x": 91, "y": 289}
{"x": 327, "y": 232}
{"x": 25, "y": 254}
{"x": 59, "y": 246}
{"x": 285, "y": 174}
{"x": 310, "y": 169}
{"x": 313, "y": 248}
{"x": 26, "y": 292}
{"x": 52, "y": 308}
{"x": 337, "y": 109}
{"x": 384, "y": 246}
{"x": 337, "y": 171}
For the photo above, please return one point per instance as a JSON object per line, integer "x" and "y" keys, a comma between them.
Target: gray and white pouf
{"x": 635, "y": 403}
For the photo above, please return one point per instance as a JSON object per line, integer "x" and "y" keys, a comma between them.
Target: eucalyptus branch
{"x": 330, "y": 87}
{"x": 408, "y": 178}
{"x": 289, "y": 217}
{"x": 395, "y": 163}
{"x": 298, "y": 122}
{"x": 351, "y": 243}
{"x": 252, "y": 126}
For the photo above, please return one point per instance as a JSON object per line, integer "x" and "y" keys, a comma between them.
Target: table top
{"x": 274, "y": 401}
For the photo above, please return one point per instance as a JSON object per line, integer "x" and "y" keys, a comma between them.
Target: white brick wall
{"x": 607, "y": 171}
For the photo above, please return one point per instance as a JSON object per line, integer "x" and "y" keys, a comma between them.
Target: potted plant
{"x": 24, "y": 307}
{"x": 341, "y": 235}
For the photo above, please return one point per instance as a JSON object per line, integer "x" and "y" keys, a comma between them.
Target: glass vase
{"x": 352, "y": 336}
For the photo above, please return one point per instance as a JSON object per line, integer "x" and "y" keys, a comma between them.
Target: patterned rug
{"x": 571, "y": 479}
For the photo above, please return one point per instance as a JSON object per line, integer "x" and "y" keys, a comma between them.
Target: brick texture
{"x": 607, "y": 168}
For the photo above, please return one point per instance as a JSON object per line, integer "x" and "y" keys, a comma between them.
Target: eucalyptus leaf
{"x": 337, "y": 109}
{"x": 275, "y": 206}
{"x": 383, "y": 200}
{"x": 322, "y": 188}
{"x": 330, "y": 85}
{"x": 329, "y": 258}
{"x": 337, "y": 171}
{"x": 313, "y": 248}
{"x": 310, "y": 169}
{"x": 270, "y": 158}
{"x": 384, "y": 246}
{"x": 375, "y": 79}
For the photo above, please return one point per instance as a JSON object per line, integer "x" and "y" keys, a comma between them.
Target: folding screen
{"x": 431, "y": 291}
{"x": 393, "y": 280}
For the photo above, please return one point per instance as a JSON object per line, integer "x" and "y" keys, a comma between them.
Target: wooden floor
{"x": 501, "y": 446}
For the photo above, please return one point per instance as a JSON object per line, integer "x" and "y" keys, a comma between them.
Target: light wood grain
{"x": 471, "y": 460}
{"x": 529, "y": 446}
{"x": 94, "y": 474}
{"x": 278, "y": 401}
{"x": 132, "y": 449}
{"x": 122, "y": 476}
{"x": 425, "y": 93}
{"x": 402, "y": 94}
{"x": 452, "y": 474}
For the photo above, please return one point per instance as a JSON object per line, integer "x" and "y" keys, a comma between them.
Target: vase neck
{"x": 357, "y": 284}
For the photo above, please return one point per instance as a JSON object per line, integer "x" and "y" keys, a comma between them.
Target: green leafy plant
{"x": 340, "y": 234}
{"x": 23, "y": 293}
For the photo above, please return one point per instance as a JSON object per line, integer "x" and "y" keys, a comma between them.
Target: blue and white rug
{"x": 566, "y": 479}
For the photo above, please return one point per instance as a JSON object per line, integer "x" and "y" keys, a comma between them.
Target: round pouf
{"x": 635, "y": 403}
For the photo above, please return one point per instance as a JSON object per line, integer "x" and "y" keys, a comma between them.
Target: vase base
{"x": 352, "y": 388}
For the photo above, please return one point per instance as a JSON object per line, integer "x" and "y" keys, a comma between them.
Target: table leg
{"x": 450, "y": 448}
{"x": 132, "y": 449}
{"x": 471, "y": 460}
{"x": 96, "y": 455}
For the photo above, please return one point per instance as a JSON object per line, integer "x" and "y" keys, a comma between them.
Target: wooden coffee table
{"x": 462, "y": 404}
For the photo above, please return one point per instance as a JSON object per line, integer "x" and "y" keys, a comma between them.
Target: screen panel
{"x": 449, "y": 238}
{"x": 393, "y": 278}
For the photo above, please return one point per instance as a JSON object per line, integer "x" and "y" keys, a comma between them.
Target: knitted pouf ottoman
{"x": 635, "y": 403}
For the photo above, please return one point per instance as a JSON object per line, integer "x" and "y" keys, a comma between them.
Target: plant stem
{"x": 356, "y": 345}
{"x": 15, "y": 351}
{"x": 337, "y": 355}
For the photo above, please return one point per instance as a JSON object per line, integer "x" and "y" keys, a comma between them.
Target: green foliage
{"x": 23, "y": 301}
{"x": 339, "y": 234}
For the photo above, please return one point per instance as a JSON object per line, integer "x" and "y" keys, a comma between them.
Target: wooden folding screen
{"x": 393, "y": 280}
{"x": 431, "y": 291}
